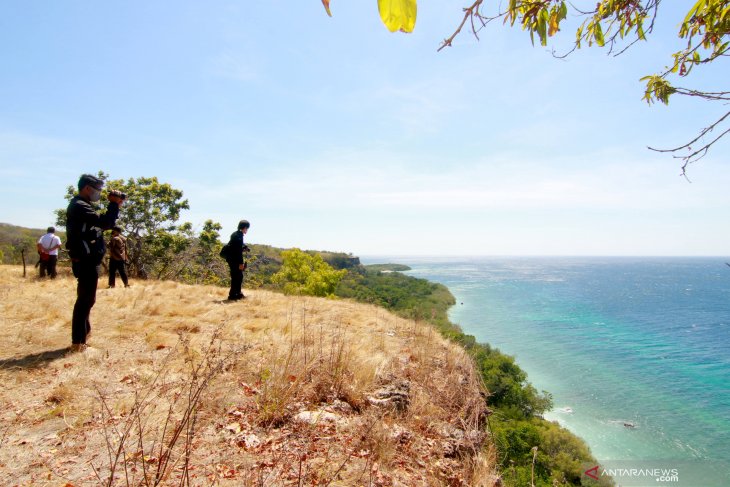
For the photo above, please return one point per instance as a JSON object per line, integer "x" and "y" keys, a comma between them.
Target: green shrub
{"x": 307, "y": 274}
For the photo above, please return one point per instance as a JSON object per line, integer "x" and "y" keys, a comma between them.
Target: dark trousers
{"x": 49, "y": 266}
{"x": 114, "y": 266}
{"x": 236, "y": 281}
{"x": 87, "y": 275}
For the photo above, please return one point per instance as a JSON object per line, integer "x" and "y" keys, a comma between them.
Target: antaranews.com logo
{"x": 645, "y": 475}
{"x": 655, "y": 473}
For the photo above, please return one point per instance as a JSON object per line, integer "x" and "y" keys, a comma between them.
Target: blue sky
{"x": 335, "y": 134}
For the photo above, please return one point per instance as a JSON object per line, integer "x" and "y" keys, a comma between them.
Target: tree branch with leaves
{"x": 705, "y": 28}
{"x": 616, "y": 25}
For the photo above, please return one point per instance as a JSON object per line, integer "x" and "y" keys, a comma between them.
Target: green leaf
{"x": 563, "y": 11}
{"x": 696, "y": 8}
{"x": 512, "y": 11}
{"x": 542, "y": 24}
{"x": 598, "y": 34}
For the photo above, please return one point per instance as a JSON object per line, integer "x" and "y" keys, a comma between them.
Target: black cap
{"x": 243, "y": 224}
{"x": 89, "y": 180}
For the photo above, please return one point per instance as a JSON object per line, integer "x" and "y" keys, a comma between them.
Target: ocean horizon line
{"x": 538, "y": 256}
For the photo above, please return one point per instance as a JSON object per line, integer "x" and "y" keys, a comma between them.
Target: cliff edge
{"x": 181, "y": 387}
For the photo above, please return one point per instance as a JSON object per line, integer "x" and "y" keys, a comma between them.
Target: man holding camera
{"x": 85, "y": 243}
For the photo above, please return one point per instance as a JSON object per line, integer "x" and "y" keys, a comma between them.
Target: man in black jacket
{"x": 85, "y": 244}
{"x": 236, "y": 247}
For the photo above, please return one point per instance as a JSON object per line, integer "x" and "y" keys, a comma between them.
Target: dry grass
{"x": 182, "y": 388}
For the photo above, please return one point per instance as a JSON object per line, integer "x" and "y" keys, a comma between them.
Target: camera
{"x": 118, "y": 194}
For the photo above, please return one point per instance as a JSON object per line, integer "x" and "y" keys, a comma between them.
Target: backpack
{"x": 225, "y": 251}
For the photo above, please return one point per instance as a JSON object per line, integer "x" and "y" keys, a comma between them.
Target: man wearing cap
{"x": 48, "y": 246}
{"x": 85, "y": 244}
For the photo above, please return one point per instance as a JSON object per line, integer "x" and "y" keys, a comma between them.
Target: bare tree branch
{"x": 697, "y": 154}
{"x": 469, "y": 13}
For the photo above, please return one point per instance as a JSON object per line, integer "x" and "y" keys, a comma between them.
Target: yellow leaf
{"x": 398, "y": 14}
{"x": 553, "y": 26}
{"x": 326, "y": 4}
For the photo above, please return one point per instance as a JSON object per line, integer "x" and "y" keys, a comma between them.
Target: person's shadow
{"x": 225, "y": 301}
{"x": 34, "y": 360}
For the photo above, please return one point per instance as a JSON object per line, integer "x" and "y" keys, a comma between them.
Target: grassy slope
{"x": 273, "y": 390}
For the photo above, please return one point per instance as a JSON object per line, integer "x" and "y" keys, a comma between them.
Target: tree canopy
{"x": 617, "y": 25}
{"x": 307, "y": 274}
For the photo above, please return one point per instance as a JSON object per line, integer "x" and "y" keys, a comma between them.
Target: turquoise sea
{"x": 635, "y": 351}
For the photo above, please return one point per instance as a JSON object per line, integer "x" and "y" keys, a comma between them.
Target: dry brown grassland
{"x": 179, "y": 387}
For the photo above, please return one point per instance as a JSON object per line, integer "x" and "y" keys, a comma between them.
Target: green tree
{"x": 162, "y": 254}
{"x": 303, "y": 273}
{"x": 206, "y": 266}
{"x": 182, "y": 255}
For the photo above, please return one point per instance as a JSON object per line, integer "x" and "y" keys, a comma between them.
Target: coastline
{"x": 527, "y": 442}
{"x": 631, "y": 355}
{"x": 557, "y": 413}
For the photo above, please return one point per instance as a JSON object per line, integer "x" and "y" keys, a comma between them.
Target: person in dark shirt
{"x": 85, "y": 244}
{"x": 117, "y": 257}
{"x": 236, "y": 247}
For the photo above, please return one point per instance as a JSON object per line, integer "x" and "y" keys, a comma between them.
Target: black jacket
{"x": 235, "y": 248}
{"x": 84, "y": 227}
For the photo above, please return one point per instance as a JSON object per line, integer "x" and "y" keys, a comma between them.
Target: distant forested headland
{"x": 388, "y": 267}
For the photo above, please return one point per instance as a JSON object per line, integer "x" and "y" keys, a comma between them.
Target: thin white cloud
{"x": 421, "y": 108}
{"x": 351, "y": 181}
{"x": 234, "y": 66}
{"x": 22, "y": 154}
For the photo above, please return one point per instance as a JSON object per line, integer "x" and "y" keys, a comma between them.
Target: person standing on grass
{"x": 117, "y": 257}
{"x": 236, "y": 248}
{"x": 85, "y": 244}
{"x": 48, "y": 246}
